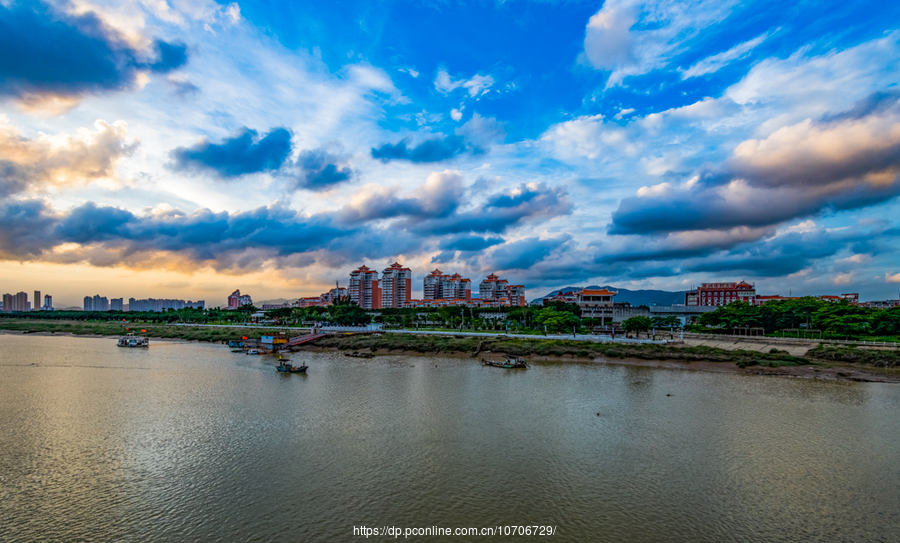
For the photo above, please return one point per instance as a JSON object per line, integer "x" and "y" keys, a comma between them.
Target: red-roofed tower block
{"x": 493, "y": 288}
{"x": 439, "y": 286}
{"x": 396, "y": 286}
{"x": 365, "y": 290}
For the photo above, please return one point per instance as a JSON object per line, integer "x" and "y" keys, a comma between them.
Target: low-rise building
{"x": 719, "y": 294}
{"x": 598, "y": 304}
{"x": 569, "y": 297}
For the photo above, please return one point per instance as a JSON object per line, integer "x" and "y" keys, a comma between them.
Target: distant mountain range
{"x": 634, "y": 297}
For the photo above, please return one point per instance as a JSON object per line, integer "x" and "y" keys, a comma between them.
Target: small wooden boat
{"x": 358, "y": 354}
{"x": 286, "y": 367}
{"x": 133, "y": 341}
{"x": 509, "y": 363}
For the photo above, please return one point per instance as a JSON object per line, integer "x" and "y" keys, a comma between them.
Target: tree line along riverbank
{"x": 474, "y": 346}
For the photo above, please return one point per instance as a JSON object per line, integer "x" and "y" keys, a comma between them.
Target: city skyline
{"x": 179, "y": 150}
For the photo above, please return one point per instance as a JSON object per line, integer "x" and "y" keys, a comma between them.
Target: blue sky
{"x": 184, "y": 149}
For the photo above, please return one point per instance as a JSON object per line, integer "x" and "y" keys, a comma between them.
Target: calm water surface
{"x": 190, "y": 442}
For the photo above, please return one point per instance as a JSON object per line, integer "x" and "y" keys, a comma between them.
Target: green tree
{"x": 670, "y": 321}
{"x": 886, "y": 322}
{"x": 348, "y": 314}
{"x": 556, "y": 321}
{"x": 637, "y": 324}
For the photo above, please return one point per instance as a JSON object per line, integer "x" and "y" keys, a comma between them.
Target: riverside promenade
{"x": 559, "y": 337}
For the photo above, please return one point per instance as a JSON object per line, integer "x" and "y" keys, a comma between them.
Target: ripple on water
{"x": 192, "y": 442}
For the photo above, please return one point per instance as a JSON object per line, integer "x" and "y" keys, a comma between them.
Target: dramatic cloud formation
{"x": 60, "y": 160}
{"x": 647, "y": 144}
{"x": 430, "y": 150}
{"x": 320, "y": 171}
{"x": 475, "y": 137}
{"x": 244, "y": 153}
{"x": 109, "y": 236}
{"x": 46, "y": 52}
{"x": 846, "y": 161}
{"x": 525, "y": 253}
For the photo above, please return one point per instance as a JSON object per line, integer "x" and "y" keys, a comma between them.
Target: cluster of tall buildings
{"x": 153, "y": 304}
{"x": 19, "y": 302}
{"x": 101, "y": 303}
{"x": 440, "y": 286}
{"x": 394, "y": 289}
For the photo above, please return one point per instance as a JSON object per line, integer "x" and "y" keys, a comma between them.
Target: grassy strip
{"x": 555, "y": 348}
{"x": 853, "y": 355}
{"x": 433, "y": 344}
{"x": 89, "y": 328}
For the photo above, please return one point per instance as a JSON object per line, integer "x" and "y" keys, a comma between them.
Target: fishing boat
{"x": 509, "y": 363}
{"x": 358, "y": 354}
{"x": 286, "y": 367}
{"x": 133, "y": 341}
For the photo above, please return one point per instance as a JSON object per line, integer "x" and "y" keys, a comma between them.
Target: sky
{"x": 187, "y": 148}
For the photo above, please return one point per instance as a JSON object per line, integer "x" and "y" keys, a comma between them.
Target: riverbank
{"x": 153, "y": 331}
{"x": 829, "y": 363}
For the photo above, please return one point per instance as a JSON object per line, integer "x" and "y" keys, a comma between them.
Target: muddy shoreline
{"x": 816, "y": 370}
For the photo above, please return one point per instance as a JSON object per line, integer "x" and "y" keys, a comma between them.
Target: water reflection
{"x": 192, "y": 442}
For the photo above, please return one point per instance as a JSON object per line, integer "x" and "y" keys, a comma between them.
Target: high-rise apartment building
{"x": 37, "y": 300}
{"x": 499, "y": 290}
{"x": 396, "y": 286}
{"x": 237, "y": 300}
{"x": 96, "y": 303}
{"x": 153, "y": 304}
{"x": 16, "y": 302}
{"x": 48, "y": 303}
{"x": 494, "y": 288}
{"x": 439, "y": 286}
{"x": 365, "y": 290}
{"x": 117, "y": 304}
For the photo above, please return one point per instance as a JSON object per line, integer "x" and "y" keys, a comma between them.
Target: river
{"x": 190, "y": 442}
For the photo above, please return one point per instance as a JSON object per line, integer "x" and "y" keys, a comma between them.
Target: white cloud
{"x": 888, "y": 278}
{"x": 715, "y": 63}
{"x": 822, "y": 83}
{"x": 482, "y": 131}
{"x": 455, "y": 114}
{"x": 477, "y": 85}
{"x": 587, "y": 137}
{"x": 631, "y": 37}
{"x": 623, "y": 112}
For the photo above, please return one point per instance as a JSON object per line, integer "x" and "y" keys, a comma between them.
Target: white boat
{"x": 133, "y": 341}
{"x": 253, "y": 351}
